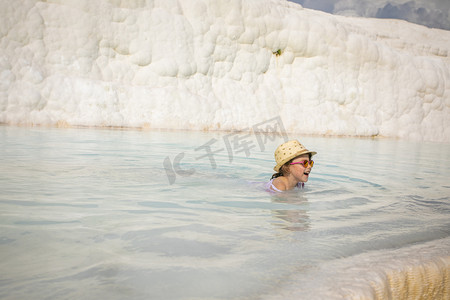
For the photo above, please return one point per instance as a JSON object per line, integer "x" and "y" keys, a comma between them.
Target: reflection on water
{"x": 294, "y": 219}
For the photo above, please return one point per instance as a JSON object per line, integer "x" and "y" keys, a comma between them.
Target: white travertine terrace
{"x": 226, "y": 65}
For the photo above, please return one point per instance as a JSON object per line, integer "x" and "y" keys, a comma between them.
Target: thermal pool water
{"x": 124, "y": 214}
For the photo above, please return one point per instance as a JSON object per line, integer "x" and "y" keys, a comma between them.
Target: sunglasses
{"x": 304, "y": 163}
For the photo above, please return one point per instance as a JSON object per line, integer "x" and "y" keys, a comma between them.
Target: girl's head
{"x": 293, "y": 157}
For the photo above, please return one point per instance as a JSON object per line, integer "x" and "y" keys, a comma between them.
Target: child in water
{"x": 293, "y": 167}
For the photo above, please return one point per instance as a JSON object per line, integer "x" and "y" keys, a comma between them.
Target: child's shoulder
{"x": 280, "y": 183}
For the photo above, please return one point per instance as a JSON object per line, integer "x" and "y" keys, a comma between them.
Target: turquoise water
{"x": 123, "y": 214}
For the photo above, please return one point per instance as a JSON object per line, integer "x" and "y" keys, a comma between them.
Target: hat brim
{"x": 279, "y": 165}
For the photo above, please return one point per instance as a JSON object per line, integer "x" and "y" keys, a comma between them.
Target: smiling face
{"x": 298, "y": 171}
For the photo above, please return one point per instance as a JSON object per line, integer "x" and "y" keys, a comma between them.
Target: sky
{"x": 430, "y": 13}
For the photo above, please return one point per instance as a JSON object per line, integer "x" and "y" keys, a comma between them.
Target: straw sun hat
{"x": 288, "y": 151}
